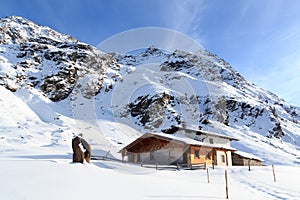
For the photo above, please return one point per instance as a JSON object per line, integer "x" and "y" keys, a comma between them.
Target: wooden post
{"x": 273, "y": 173}
{"x": 226, "y": 181}
{"x": 226, "y": 157}
{"x": 249, "y": 163}
{"x": 213, "y": 164}
{"x": 107, "y": 153}
{"x": 207, "y": 175}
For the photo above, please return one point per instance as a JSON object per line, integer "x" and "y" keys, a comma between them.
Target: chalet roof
{"x": 191, "y": 141}
{"x": 202, "y": 132}
{"x": 248, "y": 155}
{"x": 178, "y": 139}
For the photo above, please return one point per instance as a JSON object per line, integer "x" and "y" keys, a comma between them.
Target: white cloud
{"x": 184, "y": 16}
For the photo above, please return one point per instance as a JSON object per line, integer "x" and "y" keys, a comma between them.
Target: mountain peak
{"x": 17, "y": 30}
{"x": 150, "y": 89}
{"x": 16, "y": 19}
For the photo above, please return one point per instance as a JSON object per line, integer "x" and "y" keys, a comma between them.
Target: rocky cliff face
{"x": 151, "y": 90}
{"x": 35, "y": 56}
{"x": 225, "y": 96}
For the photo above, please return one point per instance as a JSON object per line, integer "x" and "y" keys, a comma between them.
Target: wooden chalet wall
{"x": 152, "y": 150}
{"x": 205, "y": 155}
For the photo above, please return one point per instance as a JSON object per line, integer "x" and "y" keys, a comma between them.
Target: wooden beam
{"x": 226, "y": 156}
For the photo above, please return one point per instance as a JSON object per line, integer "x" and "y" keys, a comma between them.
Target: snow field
{"x": 53, "y": 176}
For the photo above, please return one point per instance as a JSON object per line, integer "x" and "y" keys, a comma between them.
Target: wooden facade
{"x": 201, "y": 154}
{"x": 155, "y": 149}
{"x": 164, "y": 149}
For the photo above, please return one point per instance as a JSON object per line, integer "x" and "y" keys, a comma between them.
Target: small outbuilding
{"x": 240, "y": 158}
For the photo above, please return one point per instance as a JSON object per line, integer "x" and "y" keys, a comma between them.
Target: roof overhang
{"x": 167, "y": 140}
{"x": 202, "y": 132}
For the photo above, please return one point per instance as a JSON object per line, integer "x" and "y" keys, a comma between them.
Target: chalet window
{"x": 197, "y": 153}
{"x": 223, "y": 158}
{"x": 172, "y": 153}
{"x": 151, "y": 155}
{"x": 208, "y": 155}
{"x": 211, "y": 141}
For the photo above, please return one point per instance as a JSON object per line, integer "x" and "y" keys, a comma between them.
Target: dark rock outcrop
{"x": 81, "y": 150}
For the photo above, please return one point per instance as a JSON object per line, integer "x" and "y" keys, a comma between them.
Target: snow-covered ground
{"x": 36, "y": 162}
{"x": 36, "y": 132}
{"x": 48, "y": 173}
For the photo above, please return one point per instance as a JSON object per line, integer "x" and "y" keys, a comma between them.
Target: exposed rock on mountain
{"x": 36, "y": 56}
{"x": 150, "y": 90}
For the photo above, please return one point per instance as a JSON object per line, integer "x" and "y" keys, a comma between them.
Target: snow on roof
{"x": 247, "y": 155}
{"x": 190, "y": 141}
{"x": 209, "y": 133}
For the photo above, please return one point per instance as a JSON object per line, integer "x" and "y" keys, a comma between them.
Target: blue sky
{"x": 259, "y": 38}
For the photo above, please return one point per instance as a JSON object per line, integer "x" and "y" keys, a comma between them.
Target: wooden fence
{"x": 178, "y": 166}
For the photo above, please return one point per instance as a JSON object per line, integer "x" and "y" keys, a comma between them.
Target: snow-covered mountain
{"x": 62, "y": 82}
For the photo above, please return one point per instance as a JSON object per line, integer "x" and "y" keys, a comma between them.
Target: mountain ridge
{"x": 149, "y": 91}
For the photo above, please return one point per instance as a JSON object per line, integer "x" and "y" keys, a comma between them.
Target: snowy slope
{"x": 52, "y": 86}
{"x": 29, "y": 120}
{"x": 155, "y": 90}
{"x": 36, "y": 155}
{"x": 73, "y": 87}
